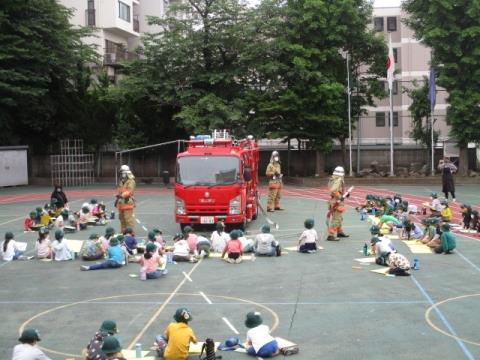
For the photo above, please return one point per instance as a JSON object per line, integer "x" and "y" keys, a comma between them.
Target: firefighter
{"x": 125, "y": 198}
{"x": 336, "y": 207}
{"x": 274, "y": 175}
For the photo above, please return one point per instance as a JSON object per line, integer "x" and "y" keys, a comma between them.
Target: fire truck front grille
{"x": 206, "y": 210}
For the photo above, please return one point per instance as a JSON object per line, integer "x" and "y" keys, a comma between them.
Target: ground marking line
{"x": 161, "y": 308}
{"x": 186, "y": 276}
{"x": 205, "y": 297}
{"x": 138, "y": 221}
{"x": 444, "y": 320}
{"x": 229, "y": 324}
{"x": 144, "y": 228}
{"x": 467, "y": 260}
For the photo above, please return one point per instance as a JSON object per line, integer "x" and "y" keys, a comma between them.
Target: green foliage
{"x": 420, "y": 111}
{"x": 41, "y": 60}
{"x": 452, "y": 30}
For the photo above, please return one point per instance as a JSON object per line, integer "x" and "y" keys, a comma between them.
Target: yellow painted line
{"x": 162, "y": 307}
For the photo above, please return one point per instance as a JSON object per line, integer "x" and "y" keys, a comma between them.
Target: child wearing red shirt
{"x": 233, "y": 248}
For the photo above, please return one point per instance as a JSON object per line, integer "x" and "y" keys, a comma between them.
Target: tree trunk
{"x": 319, "y": 163}
{"x": 463, "y": 160}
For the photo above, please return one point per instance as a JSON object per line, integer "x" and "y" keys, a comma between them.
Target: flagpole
{"x": 349, "y": 118}
{"x": 390, "y": 86}
{"x": 431, "y": 140}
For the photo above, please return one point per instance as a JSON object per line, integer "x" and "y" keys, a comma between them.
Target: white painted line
{"x": 138, "y": 221}
{"x": 230, "y": 325}
{"x": 144, "y": 228}
{"x": 205, "y": 297}
{"x": 187, "y": 276}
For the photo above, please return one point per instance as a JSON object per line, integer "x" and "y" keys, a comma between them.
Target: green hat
{"x": 309, "y": 223}
{"x": 59, "y": 234}
{"x": 93, "y": 236}
{"x": 109, "y": 231}
{"x": 85, "y": 209}
{"x": 235, "y": 234}
{"x": 151, "y": 235}
{"x": 374, "y": 230}
{"x": 177, "y": 236}
{"x": 65, "y": 213}
{"x": 433, "y": 195}
{"x": 187, "y": 229}
{"x": 424, "y": 221}
{"x": 114, "y": 241}
{"x": 38, "y": 209}
{"x": 157, "y": 231}
{"x": 446, "y": 227}
{"x": 109, "y": 326}
{"x": 151, "y": 247}
{"x": 253, "y": 319}
{"x": 120, "y": 238}
{"x": 111, "y": 345}
{"x": 182, "y": 315}
{"x": 93, "y": 201}
{"x": 32, "y": 214}
{"x": 265, "y": 229}
{"x": 44, "y": 230}
{"x": 128, "y": 230}
{"x": 374, "y": 240}
{"x": 370, "y": 197}
{"x": 8, "y": 235}
{"x": 29, "y": 335}
{"x": 220, "y": 226}
{"x": 397, "y": 196}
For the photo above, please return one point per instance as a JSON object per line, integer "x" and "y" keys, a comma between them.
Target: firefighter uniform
{"x": 336, "y": 207}
{"x": 274, "y": 175}
{"x": 125, "y": 198}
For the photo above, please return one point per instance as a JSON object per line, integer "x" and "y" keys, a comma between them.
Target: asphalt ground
{"x": 329, "y": 304}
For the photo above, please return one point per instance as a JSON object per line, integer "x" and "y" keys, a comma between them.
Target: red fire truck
{"x": 216, "y": 180}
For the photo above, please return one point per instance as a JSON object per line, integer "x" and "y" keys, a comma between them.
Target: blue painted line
{"x": 444, "y": 320}
{"x": 467, "y": 260}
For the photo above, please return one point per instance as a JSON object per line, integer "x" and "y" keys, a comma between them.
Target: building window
{"x": 395, "y": 55}
{"x": 378, "y": 23}
{"x": 123, "y": 11}
{"x": 90, "y": 13}
{"x": 394, "y": 87}
{"x": 391, "y": 23}
{"x": 380, "y": 119}
{"x": 395, "y": 119}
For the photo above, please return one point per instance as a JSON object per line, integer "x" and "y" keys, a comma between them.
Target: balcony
{"x": 90, "y": 17}
{"x": 116, "y": 57}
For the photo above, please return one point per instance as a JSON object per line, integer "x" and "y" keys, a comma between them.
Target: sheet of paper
{"x": 74, "y": 245}
{"x": 369, "y": 260}
{"x": 383, "y": 270}
{"x": 284, "y": 343}
{"x": 131, "y": 355}
{"x": 22, "y": 246}
{"x": 393, "y": 237}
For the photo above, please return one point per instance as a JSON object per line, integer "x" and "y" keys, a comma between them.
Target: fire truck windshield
{"x": 207, "y": 170}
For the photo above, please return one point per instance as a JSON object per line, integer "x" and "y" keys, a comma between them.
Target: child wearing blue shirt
{"x": 116, "y": 257}
{"x": 130, "y": 242}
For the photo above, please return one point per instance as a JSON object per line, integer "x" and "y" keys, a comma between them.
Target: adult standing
{"x": 59, "y": 195}
{"x": 448, "y": 169}
{"x": 336, "y": 207}
{"x": 125, "y": 198}
{"x": 274, "y": 175}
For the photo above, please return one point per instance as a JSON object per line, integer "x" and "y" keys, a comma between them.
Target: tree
{"x": 40, "y": 55}
{"x": 452, "y": 30}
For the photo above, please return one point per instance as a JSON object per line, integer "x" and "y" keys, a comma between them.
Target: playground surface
{"x": 329, "y": 304}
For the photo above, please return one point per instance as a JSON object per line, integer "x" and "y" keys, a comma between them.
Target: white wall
{"x": 13, "y": 167}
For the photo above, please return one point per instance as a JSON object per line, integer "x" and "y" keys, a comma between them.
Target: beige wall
{"x": 412, "y": 64}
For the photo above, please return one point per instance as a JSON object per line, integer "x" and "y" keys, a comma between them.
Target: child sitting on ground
{"x": 159, "y": 238}
{"x": 84, "y": 217}
{"x": 474, "y": 220}
{"x": 233, "y": 248}
{"x": 152, "y": 240}
{"x": 411, "y": 231}
{"x": 30, "y": 222}
{"x": 27, "y": 349}
{"x": 265, "y": 243}
{"x": 175, "y": 342}
{"x": 247, "y": 243}
{"x": 307, "y": 243}
{"x": 446, "y": 212}
{"x": 203, "y": 246}
{"x": 181, "y": 251}
{"x": 259, "y": 341}
{"x": 8, "y": 248}
{"x": 93, "y": 350}
{"x": 398, "y": 264}
{"x": 116, "y": 258}
{"x": 92, "y": 249}
{"x": 130, "y": 240}
{"x": 43, "y": 246}
{"x": 60, "y": 249}
{"x": 151, "y": 261}
{"x": 112, "y": 349}
{"x": 219, "y": 237}
{"x": 466, "y": 211}
{"x": 447, "y": 241}
{"x": 105, "y": 239}
{"x": 191, "y": 238}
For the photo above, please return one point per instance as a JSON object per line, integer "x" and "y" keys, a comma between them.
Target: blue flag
{"x": 432, "y": 90}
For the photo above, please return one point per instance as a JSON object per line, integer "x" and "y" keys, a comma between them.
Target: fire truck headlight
{"x": 179, "y": 206}
{"x": 234, "y": 206}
